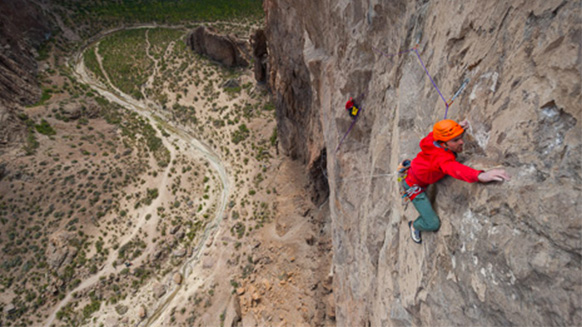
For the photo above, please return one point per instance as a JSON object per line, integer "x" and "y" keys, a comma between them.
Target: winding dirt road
{"x": 196, "y": 150}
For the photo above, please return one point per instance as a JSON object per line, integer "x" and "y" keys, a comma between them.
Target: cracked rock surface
{"x": 507, "y": 253}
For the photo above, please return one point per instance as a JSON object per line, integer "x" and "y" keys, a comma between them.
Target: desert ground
{"x": 158, "y": 196}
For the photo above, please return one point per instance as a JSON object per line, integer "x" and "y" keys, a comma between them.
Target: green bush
{"x": 269, "y": 106}
{"x": 46, "y": 95}
{"x": 91, "y": 308}
{"x": 238, "y": 229}
{"x": 273, "y": 137}
{"x": 31, "y": 142}
{"x": 45, "y": 128}
{"x": 241, "y": 134}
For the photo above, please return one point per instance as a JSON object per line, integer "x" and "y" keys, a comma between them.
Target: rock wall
{"x": 507, "y": 253}
{"x": 225, "y": 49}
{"x": 22, "y": 28}
{"x": 258, "y": 43}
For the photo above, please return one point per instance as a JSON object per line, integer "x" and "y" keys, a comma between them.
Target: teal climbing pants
{"x": 428, "y": 220}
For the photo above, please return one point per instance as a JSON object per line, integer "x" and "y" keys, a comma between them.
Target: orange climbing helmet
{"x": 446, "y": 130}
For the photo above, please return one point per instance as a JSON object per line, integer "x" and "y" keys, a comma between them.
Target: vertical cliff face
{"x": 506, "y": 253}
{"x": 22, "y": 28}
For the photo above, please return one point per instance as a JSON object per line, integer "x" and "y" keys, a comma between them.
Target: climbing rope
{"x": 389, "y": 56}
{"x": 433, "y": 83}
{"x": 415, "y": 49}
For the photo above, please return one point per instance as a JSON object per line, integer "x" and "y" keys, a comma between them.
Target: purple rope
{"x": 346, "y": 134}
{"x": 433, "y": 83}
{"x": 423, "y": 66}
{"x": 358, "y": 99}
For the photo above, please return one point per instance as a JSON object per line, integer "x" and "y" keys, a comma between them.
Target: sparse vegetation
{"x": 241, "y": 134}
{"x": 173, "y": 12}
{"x": 45, "y": 128}
{"x": 125, "y": 60}
{"x": 89, "y": 189}
{"x": 90, "y": 59}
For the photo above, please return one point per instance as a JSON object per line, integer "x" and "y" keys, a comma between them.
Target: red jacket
{"x": 434, "y": 162}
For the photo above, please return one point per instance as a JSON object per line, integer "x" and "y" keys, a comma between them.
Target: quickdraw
{"x": 415, "y": 50}
{"x": 407, "y": 194}
{"x": 402, "y": 174}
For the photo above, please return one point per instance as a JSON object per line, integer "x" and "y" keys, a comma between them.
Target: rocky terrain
{"x": 507, "y": 253}
{"x": 225, "y": 49}
{"x": 141, "y": 183}
{"x": 20, "y": 36}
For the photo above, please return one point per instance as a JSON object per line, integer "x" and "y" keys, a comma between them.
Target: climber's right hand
{"x": 497, "y": 175}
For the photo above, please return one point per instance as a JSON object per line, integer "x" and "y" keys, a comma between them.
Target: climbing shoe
{"x": 415, "y": 234}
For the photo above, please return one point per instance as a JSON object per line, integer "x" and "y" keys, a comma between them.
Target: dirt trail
{"x": 195, "y": 149}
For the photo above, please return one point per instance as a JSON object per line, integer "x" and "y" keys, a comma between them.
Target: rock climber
{"x": 352, "y": 107}
{"x": 436, "y": 159}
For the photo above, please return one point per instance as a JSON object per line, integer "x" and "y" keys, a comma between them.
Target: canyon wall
{"x": 506, "y": 253}
{"x": 23, "y": 27}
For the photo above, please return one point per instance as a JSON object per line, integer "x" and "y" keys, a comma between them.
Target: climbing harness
{"x": 407, "y": 194}
{"x": 402, "y": 174}
{"x": 415, "y": 49}
{"x": 357, "y": 114}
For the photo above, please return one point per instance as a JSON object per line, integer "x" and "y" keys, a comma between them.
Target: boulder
{"x": 76, "y": 110}
{"x": 71, "y": 111}
{"x": 121, "y": 309}
{"x": 179, "y": 252}
{"x": 72, "y": 253}
{"x": 9, "y": 309}
{"x": 256, "y": 298}
{"x": 56, "y": 254}
{"x": 227, "y": 50}
{"x": 180, "y": 235}
{"x": 142, "y": 312}
{"x": 178, "y": 278}
{"x": 111, "y": 322}
{"x": 175, "y": 229}
{"x": 159, "y": 290}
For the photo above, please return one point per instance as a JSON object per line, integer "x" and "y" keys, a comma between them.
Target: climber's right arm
{"x": 497, "y": 175}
